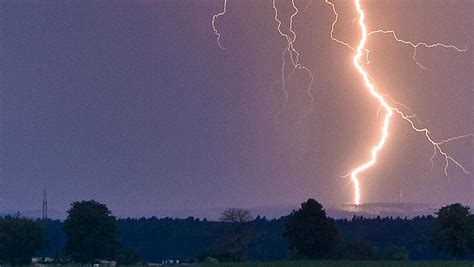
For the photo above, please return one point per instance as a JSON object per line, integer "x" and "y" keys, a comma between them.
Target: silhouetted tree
{"x": 454, "y": 231}
{"x": 90, "y": 232}
{"x": 311, "y": 232}
{"x": 157, "y": 239}
{"x": 237, "y": 222}
{"x": 20, "y": 239}
{"x": 237, "y": 217}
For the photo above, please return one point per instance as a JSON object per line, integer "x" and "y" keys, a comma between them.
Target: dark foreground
{"x": 299, "y": 264}
{"x": 351, "y": 264}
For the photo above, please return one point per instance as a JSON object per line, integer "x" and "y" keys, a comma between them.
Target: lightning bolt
{"x": 333, "y": 25}
{"x": 386, "y": 102}
{"x": 415, "y": 46}
{"x": 293, "y": 53}
{"x": 389, "y": 110}
{"x": 216, "y": 32}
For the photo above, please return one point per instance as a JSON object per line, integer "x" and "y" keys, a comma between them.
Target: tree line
{"x": 91, "y": 233}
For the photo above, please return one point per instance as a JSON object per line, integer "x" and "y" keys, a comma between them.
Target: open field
{"x": 352, "y": 264}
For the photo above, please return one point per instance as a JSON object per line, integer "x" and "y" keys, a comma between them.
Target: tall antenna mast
{"x": 45, "y": 206}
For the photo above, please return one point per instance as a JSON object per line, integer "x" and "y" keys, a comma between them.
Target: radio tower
{"x": 45, "y": 206}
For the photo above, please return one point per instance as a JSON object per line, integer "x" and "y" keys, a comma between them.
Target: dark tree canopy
{"x": 91, "y": 232}
{"x": 454, "y": 231}
{"x": 310, "y": 232}
{"x": 20, "y": 239}
{"x": 156, "y": 239}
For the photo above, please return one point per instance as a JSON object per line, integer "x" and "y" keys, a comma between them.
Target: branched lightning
{"x": 416, "y": 45}
{"x": 455, "y": 138}
{"x": 436, "y": 145}
{"x": 216, "y": 32}
{"x": 389, "y": 109}
{"x": 293, "y": 53}
{"x": 387, "y": 104}
{"x": 336, "y": 17}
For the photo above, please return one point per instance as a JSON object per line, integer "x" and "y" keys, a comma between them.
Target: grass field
{"x": 351, "y": 264}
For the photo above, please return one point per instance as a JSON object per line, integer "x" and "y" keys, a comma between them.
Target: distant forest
{"x": 156, "y": 239}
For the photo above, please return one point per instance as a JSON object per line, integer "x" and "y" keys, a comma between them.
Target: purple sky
{"x": 132, "y": 103}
